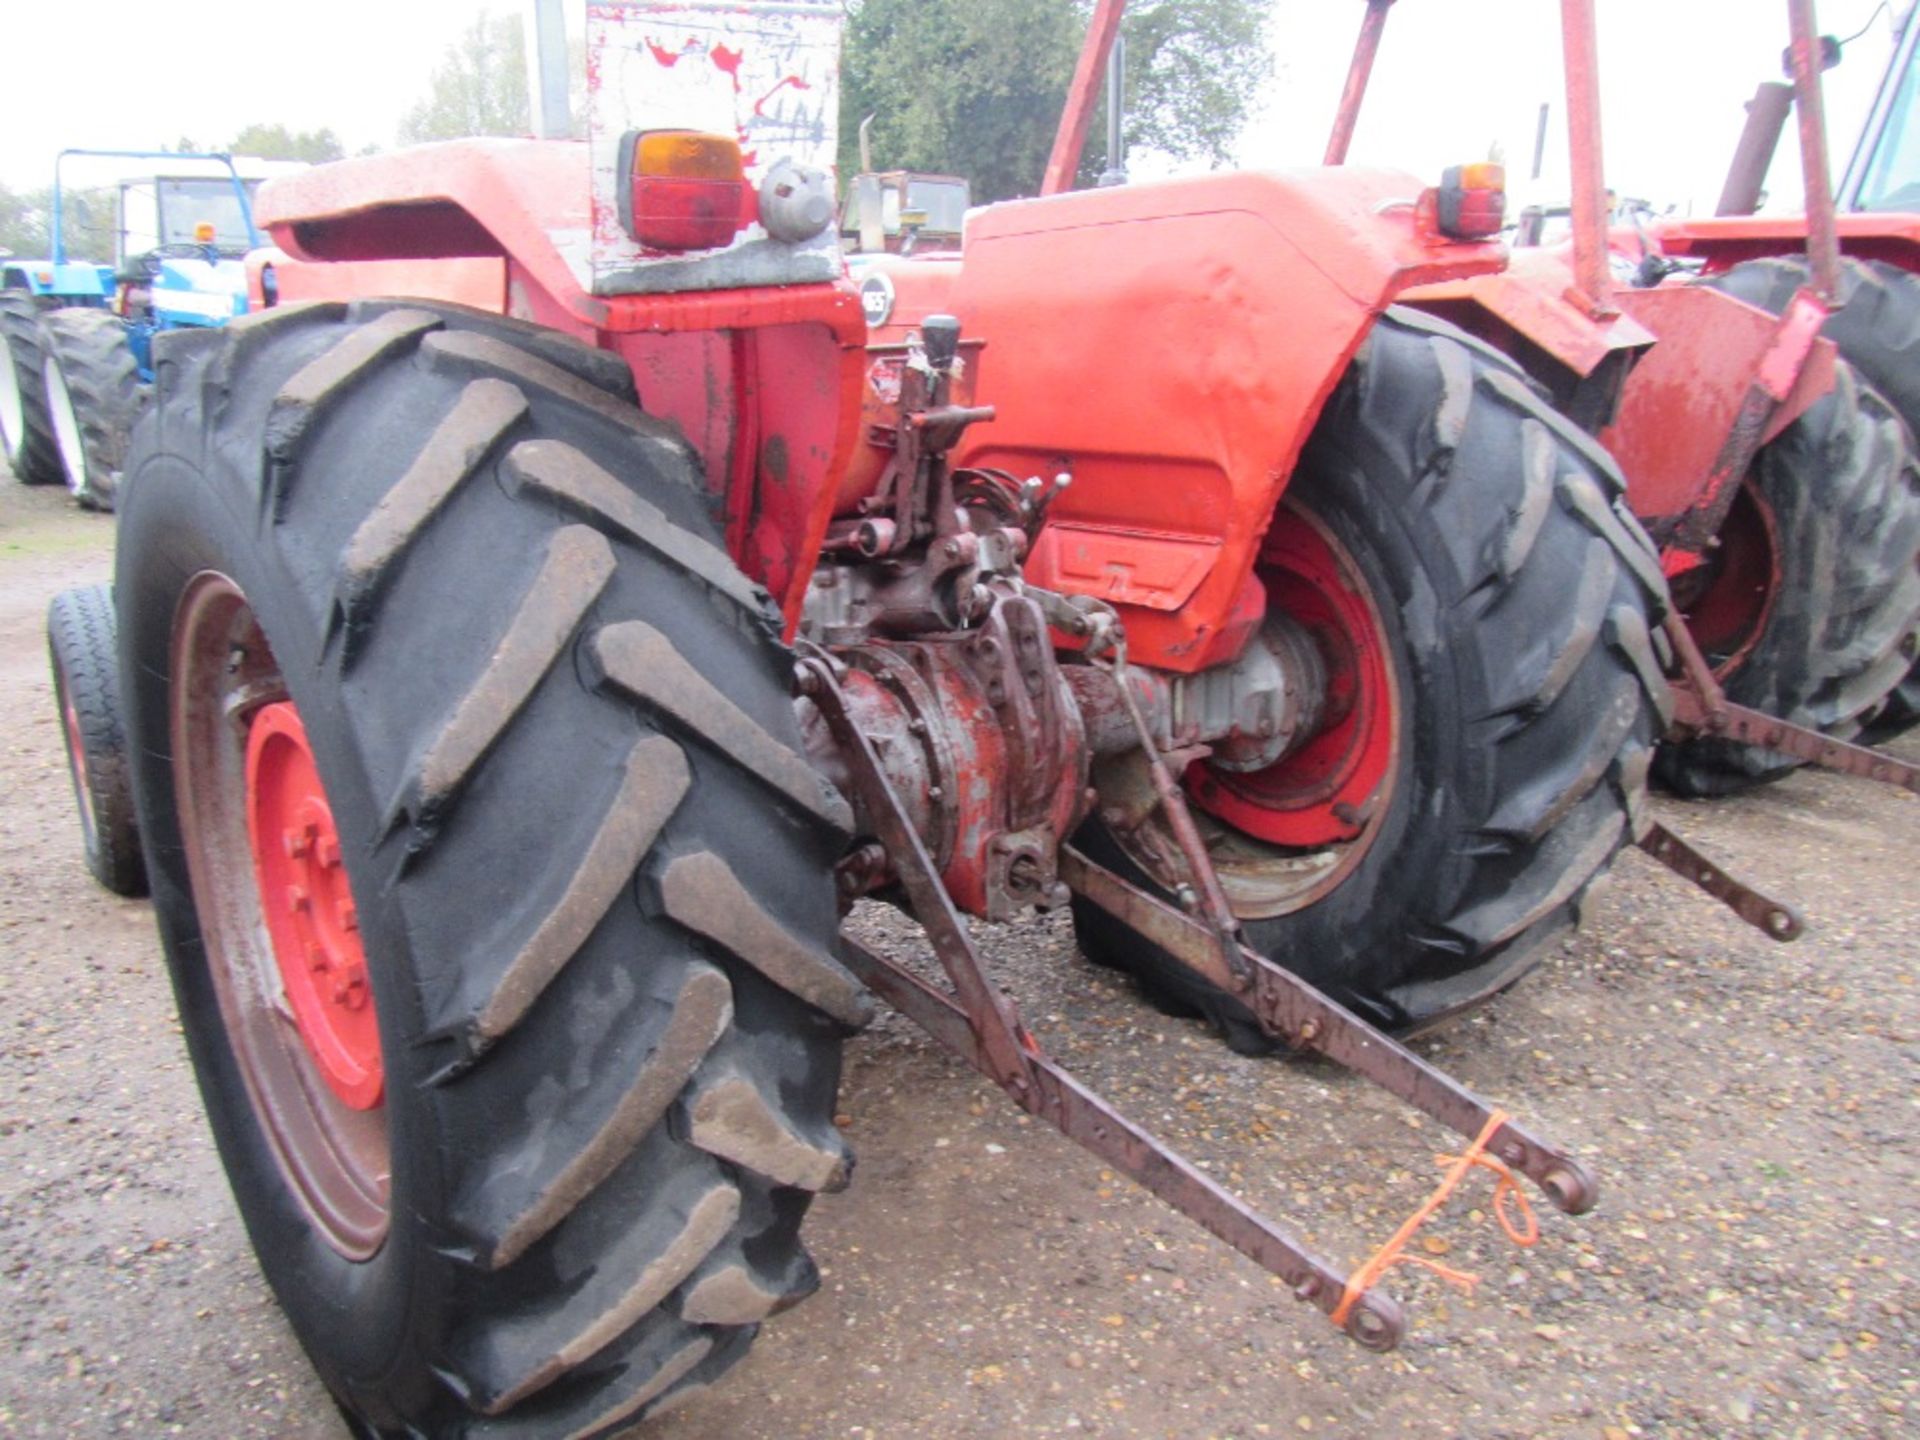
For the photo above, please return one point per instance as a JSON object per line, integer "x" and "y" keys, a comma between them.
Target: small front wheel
{"x": 86, "y": 688}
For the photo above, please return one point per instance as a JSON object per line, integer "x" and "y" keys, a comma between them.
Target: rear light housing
{"x": 1471, "y": 203}
{"x": 682, "y": 189}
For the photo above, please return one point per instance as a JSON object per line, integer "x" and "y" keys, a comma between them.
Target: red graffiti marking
{"x": 794, "y": 80}
{"x": 666, "y": 57}
{"x": 728, "y": 61}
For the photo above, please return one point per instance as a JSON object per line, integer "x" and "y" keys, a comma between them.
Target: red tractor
{"x": 525, "y": 676}
{"x": 1763, "y": 260}
{"x": 1777, "y": 476}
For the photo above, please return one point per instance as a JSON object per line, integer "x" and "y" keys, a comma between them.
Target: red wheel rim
{"x": 77, "y": 763}
{"x": 308, "y": 907}
{"x": 311, "y": 1062}
{"x": 1728, "y": 599}
{"x": 1331, "y": 789}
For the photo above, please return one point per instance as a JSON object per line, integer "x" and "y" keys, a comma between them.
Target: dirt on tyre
{"x": 1809, "y": 608}
{"x": 1461, "y": 554}
{"x": 86, "y": 688}
{"x": 91, "y": 386}
{"x": 25, "y": 431}
{"x": 1878, "y": 332}
{"x": 497, "y": 899}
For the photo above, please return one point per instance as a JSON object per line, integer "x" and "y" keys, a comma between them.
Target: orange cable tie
{"x": 1510, "y": 1207}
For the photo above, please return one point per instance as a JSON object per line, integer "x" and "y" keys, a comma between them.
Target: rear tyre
{"x": 443, "y": 680}
{"x": 1832, "y": 619}
{"x": 1877, "y": 327}
{"x": 25, "y": 431}
{"x": 92, "y": 387}
{"x": 86, "y": 688}
{"x": 1513, "y": 599}
{"x": 1878, "y": 332}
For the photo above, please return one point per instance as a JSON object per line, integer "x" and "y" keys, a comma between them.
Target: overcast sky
{"x": 1453, "y": 77}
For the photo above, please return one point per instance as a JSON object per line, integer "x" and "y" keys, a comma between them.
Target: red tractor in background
{"x": 1762, "y": 259}
{"x": 524, "y": 676}
{"x": 1779, "y": 479}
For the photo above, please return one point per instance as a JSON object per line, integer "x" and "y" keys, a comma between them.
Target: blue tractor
{"x": 77, "y": 334}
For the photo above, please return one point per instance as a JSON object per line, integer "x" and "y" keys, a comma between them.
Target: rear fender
{"x": 1682, "y": 397}
{"x": 481, "y": 200}
{"x": 504, "y": 225}
{"x": 1723, "y": 242}
{"x": 1532, "y": 313}
{"x": 1171, "y": 346}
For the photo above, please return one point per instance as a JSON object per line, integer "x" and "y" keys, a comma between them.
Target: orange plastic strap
{"x": 1510, "y": 1207}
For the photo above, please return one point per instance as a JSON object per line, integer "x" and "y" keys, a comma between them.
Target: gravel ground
{"x": 1750, "y": 1109}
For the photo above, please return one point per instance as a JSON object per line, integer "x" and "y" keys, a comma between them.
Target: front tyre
{"x": 497, "y": 900}
{"x": 83, "y": 652}
{"x": 1484, "y": 605}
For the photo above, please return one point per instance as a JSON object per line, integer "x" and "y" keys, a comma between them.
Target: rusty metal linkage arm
{"x": 1293, "y": 1010}
{"x": 982, "y": 1026}
{"x": 1081, "y": 1115}
{"x": 1774, "y": 918}
{"x": 979, "y": 1022}
{"x": 1702, "y": 708}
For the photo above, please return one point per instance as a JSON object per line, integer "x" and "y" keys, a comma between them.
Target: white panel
{"x": 766, "y": 73}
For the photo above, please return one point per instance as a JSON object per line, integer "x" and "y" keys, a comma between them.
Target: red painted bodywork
{"x": 1171, "y": 345}
{"x": 1535, "y": 299}
{"x": 502, "y": 224}
{"x": 1724, "y": 243}
{"x": 1681, "y": 399}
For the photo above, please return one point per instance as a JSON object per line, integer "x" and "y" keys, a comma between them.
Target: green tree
{"x": 976, "y": 87}
{"x": 266, "y": 141}
{"x": 23, "y": 221}
{"x": 478, "y": 88}
{"x": 26, "y": 222}
{"x": 277, "y": 142}
{"x": 1194, "y": 72}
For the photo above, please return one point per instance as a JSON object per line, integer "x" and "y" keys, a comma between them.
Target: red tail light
{"x": 1472, "y": 201}
{"x": 682, "y": 189}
